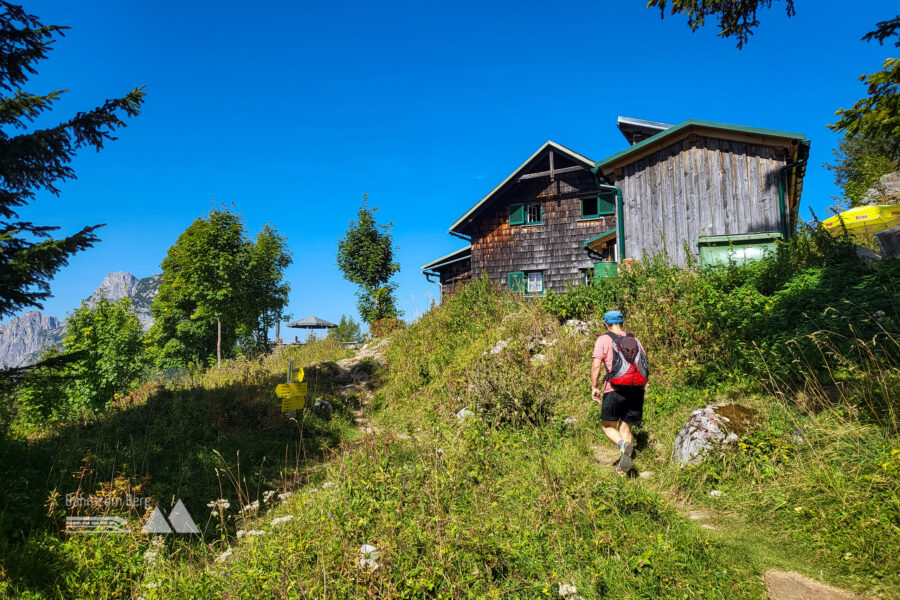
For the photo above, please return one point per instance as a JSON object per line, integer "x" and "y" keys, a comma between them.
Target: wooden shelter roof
{"x": 455, "y": 256}
{"x": 667, "y": 137}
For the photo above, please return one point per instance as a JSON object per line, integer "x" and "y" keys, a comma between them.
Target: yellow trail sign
{"x": 293, "y": 403}
{"x": 287, "y": 390}
{"x": 295, "y": 375}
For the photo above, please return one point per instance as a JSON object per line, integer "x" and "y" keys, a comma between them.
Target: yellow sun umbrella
{"x": 864, "y": 219}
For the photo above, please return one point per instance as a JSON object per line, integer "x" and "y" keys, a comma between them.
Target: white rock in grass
{"x": 465, "y": 413}
{"x": 538, "y": 359}
{"x": 567, "y": 589}
{"x": 499, "y": 347}
{"x": 715, "y": 493}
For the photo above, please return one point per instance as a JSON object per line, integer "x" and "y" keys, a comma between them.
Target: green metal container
{"x": 605, "y": 269}
{"x": 739, "y": 249}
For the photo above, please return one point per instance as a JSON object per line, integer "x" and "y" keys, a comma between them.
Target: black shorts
{"x": 624, "y": 404}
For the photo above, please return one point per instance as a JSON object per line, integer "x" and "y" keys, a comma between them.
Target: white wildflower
{"x": 368, "y": 557}
{"x": 281, "y": 520}
{"x": 284, "y": 496}
{"x": 715, "y": 493}
{"x": 252, "y": 507}
{"x": 567, "y": 589}
{"x": 267, "y": 496}
{"x": 219, "y": 506}
{"x": 224, "y": 556}
{"x": 328, "y": 484}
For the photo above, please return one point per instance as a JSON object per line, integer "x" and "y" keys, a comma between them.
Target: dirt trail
{"x": 780, "y": 584}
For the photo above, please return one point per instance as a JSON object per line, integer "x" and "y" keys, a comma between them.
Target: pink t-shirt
{"x": 603, "y": 350}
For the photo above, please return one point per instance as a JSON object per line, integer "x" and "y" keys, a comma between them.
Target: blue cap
{"x": 612, "y": 316}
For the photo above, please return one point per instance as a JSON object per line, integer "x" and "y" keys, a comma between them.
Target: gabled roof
{"x": 548, "y": 145}
{"x": 456, "y": 255}
{"x": 636, "y": 130}
{"x": 674, "y": 134}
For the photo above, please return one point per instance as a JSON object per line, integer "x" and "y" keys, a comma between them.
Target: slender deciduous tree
{"x": 218, "y": 287}
{"x": 366, "y": 257}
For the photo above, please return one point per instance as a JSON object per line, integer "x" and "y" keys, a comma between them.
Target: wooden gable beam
{"x": 553, "y": 172}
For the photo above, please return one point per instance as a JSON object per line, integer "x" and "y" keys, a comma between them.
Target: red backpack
{"x": 629, "y": 367}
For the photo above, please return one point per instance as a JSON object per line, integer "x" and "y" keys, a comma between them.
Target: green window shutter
{"x": 606, "y": 204}
{"x": 516, "y": 214}
{"x": 516, "y": 282}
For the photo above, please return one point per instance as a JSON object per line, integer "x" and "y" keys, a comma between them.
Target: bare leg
{"x": 624, "y": 432}
{"x": 609, "y": 428}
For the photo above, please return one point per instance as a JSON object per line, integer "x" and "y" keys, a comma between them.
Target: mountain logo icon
{"x": 179, "y": 521}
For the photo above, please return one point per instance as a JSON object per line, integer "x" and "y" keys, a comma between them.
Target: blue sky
{"x": 291, "y": 111}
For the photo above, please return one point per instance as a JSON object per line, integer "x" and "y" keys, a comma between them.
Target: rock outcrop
{"x": 885, "y": 191}
{"x": 710, "y": 427}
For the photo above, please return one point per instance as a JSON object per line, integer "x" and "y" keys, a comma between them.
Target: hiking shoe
{"x": 625, "y": 453}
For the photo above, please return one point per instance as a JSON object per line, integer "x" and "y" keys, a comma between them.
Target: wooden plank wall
{"x": 554, "y": 247}
{"x": 700, "y": 188}
{"x": 453, "y": 275}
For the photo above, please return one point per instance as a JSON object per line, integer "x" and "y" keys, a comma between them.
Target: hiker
{"x": 621, "y": 398}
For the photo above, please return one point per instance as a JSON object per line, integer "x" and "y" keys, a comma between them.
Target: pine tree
{"x": 37, "y": 160}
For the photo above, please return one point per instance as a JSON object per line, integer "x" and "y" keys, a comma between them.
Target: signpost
{"x": 293, "y": 393}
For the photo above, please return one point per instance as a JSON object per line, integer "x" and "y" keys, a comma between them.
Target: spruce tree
{"x": 39, "y": 160}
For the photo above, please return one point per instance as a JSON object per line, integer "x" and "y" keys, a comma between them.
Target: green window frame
{"x": 515, "y": 281}
{"x": 598, "y": 206}
{"x": 516, "y": 214}
{"x": 532, "y": 282}
{"x": 526, "y": 214}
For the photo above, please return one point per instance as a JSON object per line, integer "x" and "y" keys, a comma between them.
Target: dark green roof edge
{"x": 451, "y": 256}
{"x": 697, "y": 123}
{"x": 594, "y": 239}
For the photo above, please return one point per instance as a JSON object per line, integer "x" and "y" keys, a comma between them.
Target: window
{"x": 535, "y": 283}
{"x": 516, "y": 214}
{"x": 594, "y": 208}
{"x": 530, "y": 283}
{"x": 587, "y": 276}
{"x": 525, "y": 214}
{"x": 516, "y": 282}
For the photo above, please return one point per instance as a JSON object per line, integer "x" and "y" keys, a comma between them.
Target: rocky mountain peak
{"x": 114, "y": 287}
{"x": 23, "y": 339}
